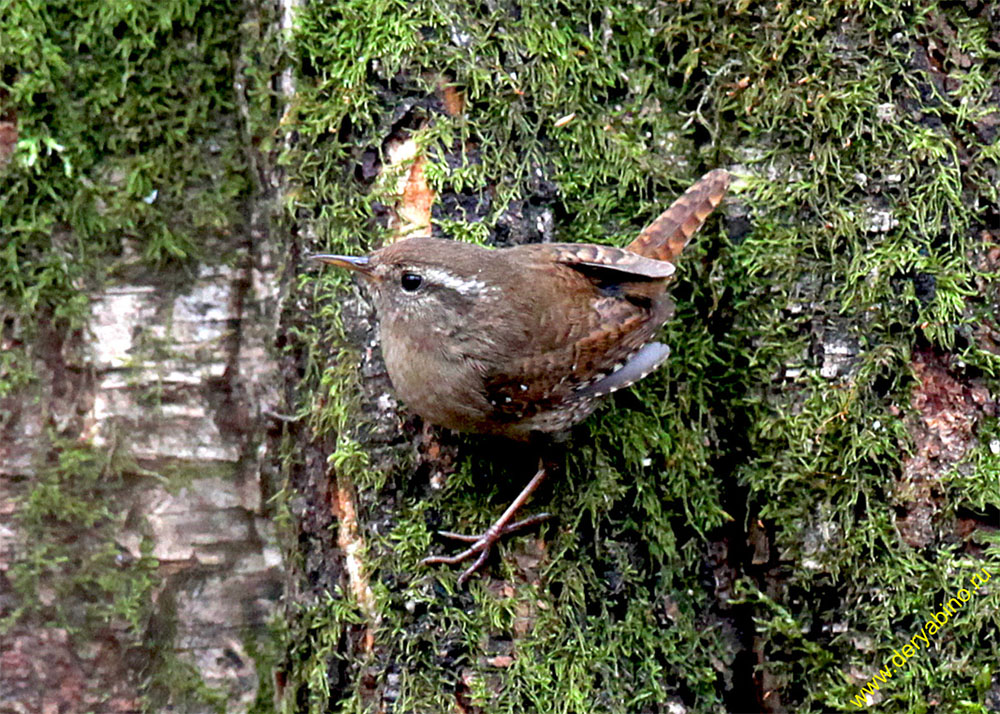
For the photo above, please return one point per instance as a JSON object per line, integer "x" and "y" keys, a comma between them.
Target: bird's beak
{"x": 359, "y": 264}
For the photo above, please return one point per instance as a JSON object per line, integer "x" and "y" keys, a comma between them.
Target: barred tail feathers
{"x": 665, "y": 238}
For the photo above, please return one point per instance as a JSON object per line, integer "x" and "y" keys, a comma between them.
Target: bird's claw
{"x": 481, "y": 544}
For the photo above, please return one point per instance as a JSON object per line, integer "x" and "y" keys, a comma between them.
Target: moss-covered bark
{"x": 740, "y": 532}
{"x": 761, "y": 525}
{"x": 137, "y": 567}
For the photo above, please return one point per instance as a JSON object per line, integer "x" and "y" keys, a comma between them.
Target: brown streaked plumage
{"x": 525, "y": 339}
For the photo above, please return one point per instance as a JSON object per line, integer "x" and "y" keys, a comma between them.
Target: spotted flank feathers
{"x": 640, "y": 365}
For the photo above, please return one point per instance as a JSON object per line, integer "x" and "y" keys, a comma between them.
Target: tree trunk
{"x": 139, "y": 562}
{"x": 196, "y": 423}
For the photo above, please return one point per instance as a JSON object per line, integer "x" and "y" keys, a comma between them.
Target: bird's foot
{"x": 482, "y": 544}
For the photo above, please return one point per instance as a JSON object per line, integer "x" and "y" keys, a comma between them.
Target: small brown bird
{"x": 521, "y": 340}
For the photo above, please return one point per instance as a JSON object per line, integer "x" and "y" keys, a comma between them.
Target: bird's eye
{"x": 410, "y": 282}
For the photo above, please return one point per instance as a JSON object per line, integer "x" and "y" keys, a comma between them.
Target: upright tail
{"x": 665, "y": 238}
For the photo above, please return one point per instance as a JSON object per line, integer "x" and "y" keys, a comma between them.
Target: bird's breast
{"x": 438, "y": 384}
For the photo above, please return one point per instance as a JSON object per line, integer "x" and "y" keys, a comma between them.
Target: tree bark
{"x": 212, "y": 499}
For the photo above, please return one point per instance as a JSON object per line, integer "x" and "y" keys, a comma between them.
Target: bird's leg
{"x": 502, "y": 526}
{"x": 509, "y": 528}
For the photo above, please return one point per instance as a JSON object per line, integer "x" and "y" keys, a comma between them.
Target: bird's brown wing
{"x": 614, "y": 263}
{"x": 553, "y": 386}
{"x": 575, "y": 358}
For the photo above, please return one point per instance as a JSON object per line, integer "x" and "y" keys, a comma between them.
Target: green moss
{"x": 167, "y": 678}
{"x": 131, "y": 161}
{"x": 72, "y": 574}
{"x": 85, "y": 581}
{"x": 965, "y": 485}
{"x": 317, "y": 643}
{"x": 122, "y": 121}
{"x": 833, "y": 123}
{"x": 15, "y": 370}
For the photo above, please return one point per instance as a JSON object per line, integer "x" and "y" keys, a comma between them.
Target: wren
{"x": 527, "y": 339}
